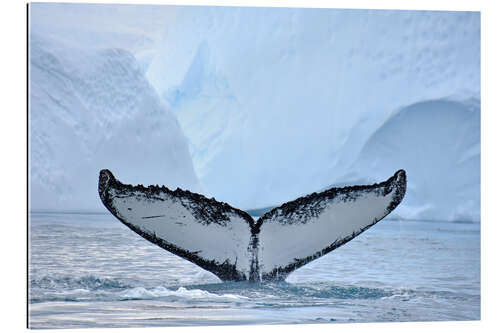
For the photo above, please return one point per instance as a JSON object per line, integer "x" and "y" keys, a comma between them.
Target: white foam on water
{"x": 181, "y": 292}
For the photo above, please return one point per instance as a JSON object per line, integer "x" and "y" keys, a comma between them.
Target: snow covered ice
{"x": 286, "y": 107}
{"x": 291, "y": 106}
{"x": 294, "y": 104}
{"x": 91, "y": 109}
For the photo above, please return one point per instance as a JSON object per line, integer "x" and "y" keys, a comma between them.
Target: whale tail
{"x": 231, "y": 244}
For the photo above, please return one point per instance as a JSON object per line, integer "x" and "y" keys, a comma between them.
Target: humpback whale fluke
{"x": 231, "y": 244}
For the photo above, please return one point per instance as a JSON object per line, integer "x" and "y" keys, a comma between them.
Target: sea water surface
{"x": 89, "y": 270}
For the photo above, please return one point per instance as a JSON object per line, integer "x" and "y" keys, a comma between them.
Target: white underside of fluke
{"x": 282, "y": 243}
{"x": 169, "y": 220}
{"x": 229, "y": 243}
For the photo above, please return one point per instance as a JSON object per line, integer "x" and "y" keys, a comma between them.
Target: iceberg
{"x": 438, "y": 143}
{"x": 255, "y": 106}
{"x": 91, "y": 108}
{"x": 280, "y": 102}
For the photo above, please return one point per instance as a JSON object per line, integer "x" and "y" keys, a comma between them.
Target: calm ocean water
{"x": 91, "y": 271}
